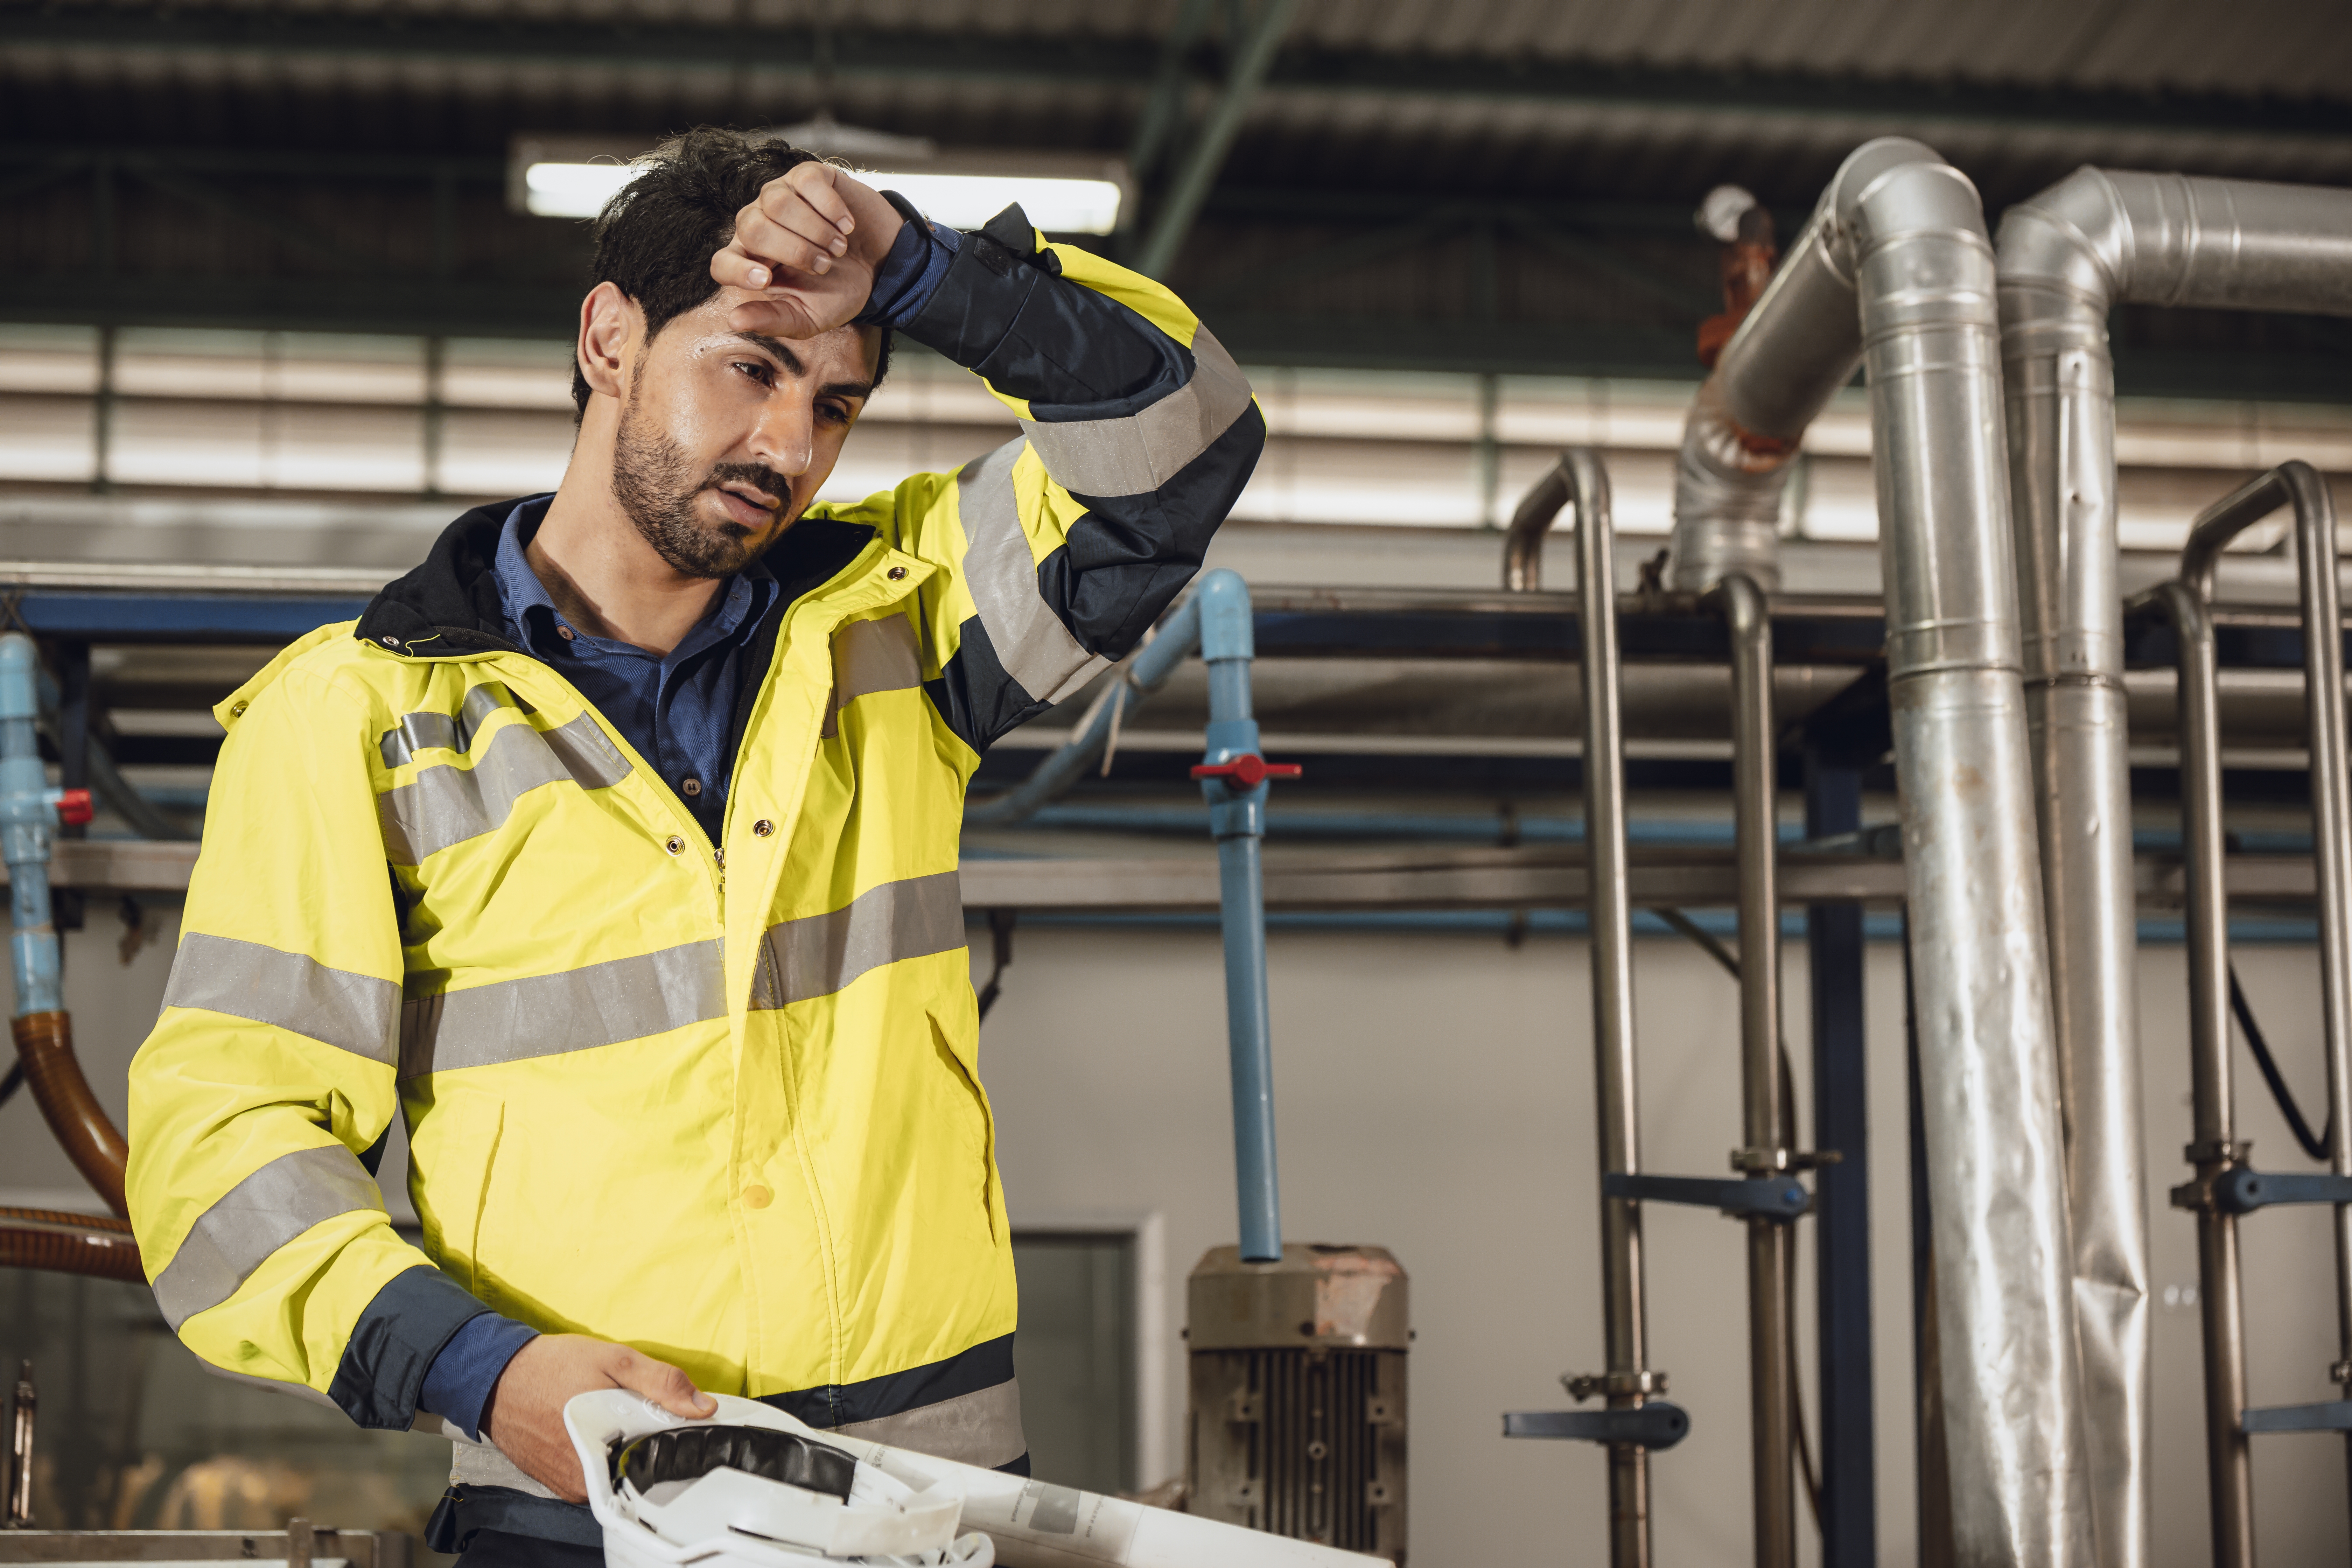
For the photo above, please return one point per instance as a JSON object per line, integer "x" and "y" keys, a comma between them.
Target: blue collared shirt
{"x": 677, "y": 708}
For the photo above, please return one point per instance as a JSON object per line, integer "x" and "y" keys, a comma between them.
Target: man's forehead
{"x": 844, "y": 349}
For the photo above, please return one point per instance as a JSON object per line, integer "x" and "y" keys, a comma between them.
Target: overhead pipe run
{"x": 2097, "y": 238}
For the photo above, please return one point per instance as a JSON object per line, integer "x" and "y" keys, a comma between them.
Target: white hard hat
{"x": 752, "y": 1487}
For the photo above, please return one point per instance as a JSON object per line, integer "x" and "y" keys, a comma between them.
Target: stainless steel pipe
{"x": 2098, "y": 237}
{"x": 1896, "y": 269}
{"x": 2216, "y": 1152}
{"x": 1756, "y": 834}
{"x": 2228, "y": 1477}
{"x": 1583, "y": 483}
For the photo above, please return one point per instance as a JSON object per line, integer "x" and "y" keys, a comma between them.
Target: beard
{"x": 655, "y": 482}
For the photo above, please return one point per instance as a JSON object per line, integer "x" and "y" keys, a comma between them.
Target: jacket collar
{"x": 451, "y": 604}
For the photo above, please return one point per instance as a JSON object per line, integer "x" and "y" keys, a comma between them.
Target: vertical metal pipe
{"x": 2331, "y": 835}
{"x": 1756, "y": 832}
{"x": 1237, "y": 818}
{"x": 2228, "y": 1474}
{"x": 1623, "y": 1322}
{"x": 1923, "y": 270}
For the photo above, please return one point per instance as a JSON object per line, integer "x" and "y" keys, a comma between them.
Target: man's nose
{"x": 785, "y": 437}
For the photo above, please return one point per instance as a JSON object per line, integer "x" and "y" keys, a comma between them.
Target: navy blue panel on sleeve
{"x": 458, "y": 1384}
{"x": 381, "y": 1378}
{"x": 1123, "y": 563}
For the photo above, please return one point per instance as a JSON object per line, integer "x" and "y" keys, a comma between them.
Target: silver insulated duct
{"x": 1895, "y": 270}
{"x": 2097, "y": 238}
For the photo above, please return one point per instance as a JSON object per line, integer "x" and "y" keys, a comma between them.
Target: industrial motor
{"x": 1297, "y": 1423}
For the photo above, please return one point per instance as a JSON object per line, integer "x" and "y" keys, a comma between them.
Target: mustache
{"x": 758, "y": 476}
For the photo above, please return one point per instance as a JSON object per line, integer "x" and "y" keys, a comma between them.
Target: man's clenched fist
{"x": 806, "y": 251}
{"x": 525, "y": 1418}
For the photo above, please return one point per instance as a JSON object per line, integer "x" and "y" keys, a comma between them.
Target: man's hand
{"x": 808, "y": 247}
{"x": 525, "y": 1418}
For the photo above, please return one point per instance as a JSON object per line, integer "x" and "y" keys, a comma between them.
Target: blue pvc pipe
{"x": 1237, "y": 818}
{"x": 29, "y": 810}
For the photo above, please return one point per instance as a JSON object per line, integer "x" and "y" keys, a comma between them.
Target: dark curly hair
{"x": 655, "y": 236}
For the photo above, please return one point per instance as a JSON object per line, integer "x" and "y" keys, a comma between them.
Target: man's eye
{"x": 834, "y": 413}
{"x": 762, "y": 374}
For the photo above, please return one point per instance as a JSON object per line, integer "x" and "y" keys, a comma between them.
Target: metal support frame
{"x": 2224, "y": 1187}
{"x": 1834, "y": 957}
{"x": 1256, "y": 35}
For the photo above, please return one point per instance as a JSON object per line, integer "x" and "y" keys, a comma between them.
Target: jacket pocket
{"x": 982, "y": 1122}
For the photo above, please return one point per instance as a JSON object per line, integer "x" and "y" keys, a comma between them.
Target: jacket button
{"x": 675, "y": 845}
{"x": 896, "y": 573}
{"x": 764, "y": 827}
{"x": 391, "y": 642}
{"x": 756, "y": 1196}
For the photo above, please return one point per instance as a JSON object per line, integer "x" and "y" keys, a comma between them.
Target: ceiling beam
{"x": 1137, "y": 62}
{"x": 1258, "y": 34}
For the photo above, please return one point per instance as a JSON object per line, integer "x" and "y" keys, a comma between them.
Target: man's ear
{"x": 609, "y": 323}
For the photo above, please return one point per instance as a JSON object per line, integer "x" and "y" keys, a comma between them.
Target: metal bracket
{"x": 2219, "y": 1151}
{"x": 1657, "y": 1425}
{"x": 2334, "y": 1415}
{"x": 1583, "y": 1385}
{"x": 2241, "y": 1190}
{"x": 1768, "y": 1162}
{"x": 1747, "y": 1197}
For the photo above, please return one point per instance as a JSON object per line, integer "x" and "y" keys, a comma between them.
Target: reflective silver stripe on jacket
{"x": 1141, "y": 452}
{"x": 448, "y": 732}
{"x": 1031, "y": 642}
{"x": 576, "y": 1010}
{"x": 816, "y": 955}
{"x": 448, "y": 804}
{"x": 983, "y": 1428}
{"x": 356, "y": 1013}
{"x": 870, "y": 656}
{"x": 254, "y": 1219}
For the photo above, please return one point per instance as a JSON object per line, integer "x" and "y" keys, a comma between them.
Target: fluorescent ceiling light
{"x": 1062, "y": 193}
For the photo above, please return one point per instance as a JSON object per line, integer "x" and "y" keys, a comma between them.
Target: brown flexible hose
{"x": 44, "y": 1045}
{"x": 69, "y": 1244}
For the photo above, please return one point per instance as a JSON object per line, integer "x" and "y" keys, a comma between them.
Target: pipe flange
{"x": 1772, "y": 1162}
{"x": 1581, "y": 1385}
{"x": 2219, "y": 1151}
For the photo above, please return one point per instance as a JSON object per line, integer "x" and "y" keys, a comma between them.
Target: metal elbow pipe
{"x": 43, "y": 1030}
{"x": 2096, "y": 238}
{"x": 1907, "y": 230}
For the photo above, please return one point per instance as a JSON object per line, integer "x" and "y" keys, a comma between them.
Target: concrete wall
{"x": 1435, "y": 1097}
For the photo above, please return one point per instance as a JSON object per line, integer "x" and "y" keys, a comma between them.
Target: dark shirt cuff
{"x": 913, "y": 271}
{"x": 459, "y": 1382}
{"x": 380, "y": 1379}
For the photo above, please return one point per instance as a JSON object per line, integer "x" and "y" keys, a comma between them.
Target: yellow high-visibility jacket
{"x": 718, "y": 1101}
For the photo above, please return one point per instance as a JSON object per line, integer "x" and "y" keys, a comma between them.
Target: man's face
{"x": 724, "y": 436}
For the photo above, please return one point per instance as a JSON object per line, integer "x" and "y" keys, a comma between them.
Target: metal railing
{"x": 2226, "y": 1187}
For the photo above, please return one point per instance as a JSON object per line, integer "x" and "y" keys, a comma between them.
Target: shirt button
{"x": 690, "y": 787}
{"x": 764, "y": 827}
{"x": 675, "y": 845}
{"x": 756, "y": 1196}
{"x": 563, "y": 632}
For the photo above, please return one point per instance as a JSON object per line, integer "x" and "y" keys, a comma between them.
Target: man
{"x": 615, "y": 848}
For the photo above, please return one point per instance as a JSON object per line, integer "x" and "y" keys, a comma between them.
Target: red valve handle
{"x": 1245, "y": 772}
{"x": 74, "y": 808}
